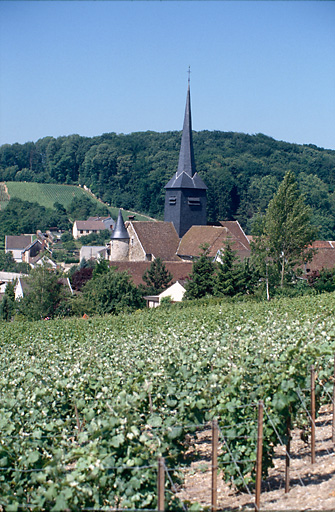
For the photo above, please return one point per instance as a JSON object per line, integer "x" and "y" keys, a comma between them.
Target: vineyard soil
{"x": 312, "y": 486}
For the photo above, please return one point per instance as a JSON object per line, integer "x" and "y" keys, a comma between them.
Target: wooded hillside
{"x": 241, "y": 171}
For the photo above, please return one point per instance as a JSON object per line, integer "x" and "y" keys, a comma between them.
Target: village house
{"x": 87, "y": 227}
{"x": 32, "y": 250}
{"x": 93, "y": 252}
{"x": 16, "y": 244}
{"x": 175, "y": 293}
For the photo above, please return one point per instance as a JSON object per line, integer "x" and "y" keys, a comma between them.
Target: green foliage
{"x": 286, "y": 232}
{"x": 84, "y": 403}
{"x": 8, "y": 264}
{"x": 95, "y": 238}
{"x": 201, "y": 280}
{"x": 44, "y": 296}
{"x": 81, "y": 208}
{"x": 323, "y": 280}
{"x": 7, "y": 305}
{"x": 48, "y": 195}
{"x": 165, "y": 302}
{"x": 232, "y": 277}
{"x": 110, "y": 292}
{"x": 157, "y": 278}
{"x": 26, "y": 217}
{"x": 100, "y": 268}
{"x": 241, "y": 171}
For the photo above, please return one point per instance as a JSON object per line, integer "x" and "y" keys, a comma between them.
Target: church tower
{"x": 185, "y": 196}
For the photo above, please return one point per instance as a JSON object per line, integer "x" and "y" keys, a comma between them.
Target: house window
{"x": 172, "y": 200}
{"x": 194, "y": 201}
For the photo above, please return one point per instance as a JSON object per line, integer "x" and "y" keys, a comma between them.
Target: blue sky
{"x": 121, "y": 66}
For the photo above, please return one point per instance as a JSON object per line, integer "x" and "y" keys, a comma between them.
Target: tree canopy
{"x": 241, "y": 171}
{"x": 157, "y": 278}
{"x": 286, "y": 231}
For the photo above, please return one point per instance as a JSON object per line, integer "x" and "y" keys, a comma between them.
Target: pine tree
{"x": 233, "y": 277}
{"x": 225, "y": 278}
{"x": 157, "y": 278}
{"x": 201, "y": 280}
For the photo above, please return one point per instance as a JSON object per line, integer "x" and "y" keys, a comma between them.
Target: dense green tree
{"x": 286, "y": 232}
{"x": 157, "y": 278}
{"x": 7, "y": 305}
{"x": 81, "y": 208}
{"x": 233, "y": 277}
{"x": 201, "y": 280}
{"x": 109, "y": 293}
{"x": 323, "y": 280}
{"x": 26, "y": 217}
{"x": 100, "y": 268}
{"x": 240, "y": 170}
{"x": 8, "y": 264}
{"x": 44, "y": 294}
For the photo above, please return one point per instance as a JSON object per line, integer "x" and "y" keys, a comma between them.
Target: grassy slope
{"x": 47, "y": 194}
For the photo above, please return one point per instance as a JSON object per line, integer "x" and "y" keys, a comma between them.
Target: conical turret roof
{"x": 120, "y": 232}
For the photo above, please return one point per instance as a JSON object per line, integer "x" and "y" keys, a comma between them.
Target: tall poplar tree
{"x": 287, "y": 232}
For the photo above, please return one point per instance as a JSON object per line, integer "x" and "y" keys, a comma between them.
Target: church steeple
{"x": 186, "y": 155}
{"x": 185, "y": 198}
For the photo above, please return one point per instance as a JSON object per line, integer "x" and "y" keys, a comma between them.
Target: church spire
{"x": 185, "y": 196}
{"x": 186, "y": 155}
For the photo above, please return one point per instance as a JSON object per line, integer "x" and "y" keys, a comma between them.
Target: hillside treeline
{"x": 242, "y": 171}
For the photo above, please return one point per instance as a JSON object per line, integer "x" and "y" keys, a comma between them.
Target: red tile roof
{"x": 215, "y": 237}
{"x": 158, "y": 238}
{"x": 323, "y": 244}
{"x": 180, "y": 270}
{"x": 324, "y": 258}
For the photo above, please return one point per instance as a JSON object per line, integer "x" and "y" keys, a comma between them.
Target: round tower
{"x": 119, "y": 243}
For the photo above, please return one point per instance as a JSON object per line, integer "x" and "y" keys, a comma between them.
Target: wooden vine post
{"x": 312, "y": 414}
{"x": 259, "y": 455}
{"x": 160, "y": 484}
{"x": 215, "y": 442}
{"x": 287, "y": 455}
{"x": 333, "y": 406}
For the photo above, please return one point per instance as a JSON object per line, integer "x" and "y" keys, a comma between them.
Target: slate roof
{"x": 157, "y": 238}
{"x": 215, "y": 237}
{"x": 90, "y": 225}
{"x": 120, "y": 232}
{"x": 186, "y": 161}
{"x": 180, "y": 270}
{"x": 35, "y": 242}
{"x": 13, "y": 242}
{"x": 186, "y": 175}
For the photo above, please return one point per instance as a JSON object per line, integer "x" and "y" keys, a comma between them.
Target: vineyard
{"x": 46, "y": 194}
{"x": 88, "y": 405}
{"x": 4, "y": 197}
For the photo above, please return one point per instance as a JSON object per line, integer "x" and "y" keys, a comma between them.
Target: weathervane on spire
{"x": 189, "y": 73}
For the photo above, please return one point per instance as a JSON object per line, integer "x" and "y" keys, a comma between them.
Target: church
{"x": 178, "y": 239}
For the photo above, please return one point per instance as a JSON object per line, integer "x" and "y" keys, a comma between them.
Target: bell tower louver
{"x": 185, "y": 196}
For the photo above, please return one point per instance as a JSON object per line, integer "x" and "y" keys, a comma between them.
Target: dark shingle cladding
{"x": 185, "y": 197}
{"x": 120, "y": 232}
{"x": 186, "y": 175}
